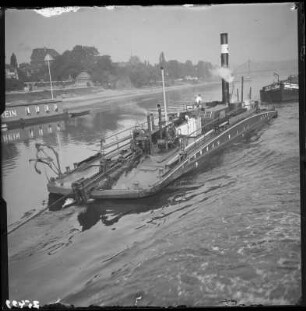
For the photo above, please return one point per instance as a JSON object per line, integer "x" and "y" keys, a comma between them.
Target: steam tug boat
{"x": 147, "y": 158}
{"x": 281, "y": 91}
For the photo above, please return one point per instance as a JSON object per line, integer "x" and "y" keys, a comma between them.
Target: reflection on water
{"x": 226, "y": 231}
{"x": 31, "y": 132}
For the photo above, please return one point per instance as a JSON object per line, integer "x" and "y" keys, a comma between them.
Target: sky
{"x": 259, "y": 32}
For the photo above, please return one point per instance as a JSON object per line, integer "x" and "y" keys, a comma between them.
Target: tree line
{"x": 105, "y": 72}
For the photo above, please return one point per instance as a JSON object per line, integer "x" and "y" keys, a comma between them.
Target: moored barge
{"x": 21, "y": 114}
{"x": 281, "y": 91}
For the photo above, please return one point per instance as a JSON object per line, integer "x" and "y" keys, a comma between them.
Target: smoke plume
{"x": 224, "y": 73}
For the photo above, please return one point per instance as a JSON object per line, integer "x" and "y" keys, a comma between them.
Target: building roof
{"x": 83, "y": 76}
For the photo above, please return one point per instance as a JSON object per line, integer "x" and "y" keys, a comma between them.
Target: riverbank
{"x": 111, "y": 96}
{"x": 79, "y": 98}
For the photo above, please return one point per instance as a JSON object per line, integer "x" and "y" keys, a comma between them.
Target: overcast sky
{"x": 256, "y": 31}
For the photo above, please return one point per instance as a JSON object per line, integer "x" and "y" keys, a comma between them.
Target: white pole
{"x": 50, "y": 78}
{"x": 60, "y": 153}
{"x": 164, "y": 93}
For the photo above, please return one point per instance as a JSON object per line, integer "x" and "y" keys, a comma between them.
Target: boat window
{"x": 47, "y": 108}
{"x": 28, "y": 112}
{"x": 55, "y": 108}
{"x": 37, "y": 109}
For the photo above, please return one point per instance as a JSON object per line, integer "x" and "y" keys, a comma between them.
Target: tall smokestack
{"x": 224, "y": 63}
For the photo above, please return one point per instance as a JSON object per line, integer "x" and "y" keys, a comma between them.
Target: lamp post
{"x": 49, "y": 58}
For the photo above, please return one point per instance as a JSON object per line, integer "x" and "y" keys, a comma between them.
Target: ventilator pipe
{"x": 159, "y": 120}
{"x": 150, "y": 131}
{"x": 152, "y": 120}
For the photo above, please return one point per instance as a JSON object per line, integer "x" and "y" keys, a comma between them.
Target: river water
{"x": 231, "y": 236}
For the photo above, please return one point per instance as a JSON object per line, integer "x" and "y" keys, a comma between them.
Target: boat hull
{"x": 44, "y": 119}
{"x": 192, "y": 160}
{"x": 280, "y": 94}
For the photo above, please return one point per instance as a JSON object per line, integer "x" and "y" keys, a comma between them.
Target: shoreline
{"x": 76, "y": 102}
{"x": 110, "y": 96}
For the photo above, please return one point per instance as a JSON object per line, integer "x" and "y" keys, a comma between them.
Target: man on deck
{"x": 198, "y": 100}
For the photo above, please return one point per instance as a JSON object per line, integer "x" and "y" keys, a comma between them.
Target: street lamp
{"x": 49, "y": 58}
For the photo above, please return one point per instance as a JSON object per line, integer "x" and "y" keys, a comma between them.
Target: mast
{"x": 164, "y": 94}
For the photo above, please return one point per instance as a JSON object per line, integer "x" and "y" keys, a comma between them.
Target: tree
{"x": 173, "y": 68}
{"x": 134, "y": 61}
{"x": 204, "y": 70}
{"x": 71, "y": 63}
{"x": 104, "y": 70}
{"x": 189, "y": 70}
{"x": 13, "y": 61}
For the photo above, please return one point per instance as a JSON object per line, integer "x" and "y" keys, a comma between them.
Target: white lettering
{"x": 9, "y": 114}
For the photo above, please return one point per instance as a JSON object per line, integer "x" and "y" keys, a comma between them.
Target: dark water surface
{"x": 234, "y": 235}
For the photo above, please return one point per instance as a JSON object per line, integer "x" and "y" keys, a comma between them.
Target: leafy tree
{"x": 174, "y": 69}
{"x": 71, "y": 63}
{"x": 189, "y": 69}
{"x": 13, "y": 61}
{"x": 203, "y": 70}
{"x": 104, "y": 70}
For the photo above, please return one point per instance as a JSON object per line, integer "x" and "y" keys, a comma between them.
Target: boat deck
{"x": 147, "y": 173}
{"x": 87, "y": 171}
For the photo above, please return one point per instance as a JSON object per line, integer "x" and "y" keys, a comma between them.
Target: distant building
{"x": 11, "y": 72}
{"x": 83, "y": 79}
{"x": 38, "y": 56}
